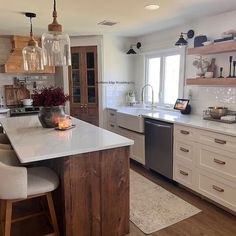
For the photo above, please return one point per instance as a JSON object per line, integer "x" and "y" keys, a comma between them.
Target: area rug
{"x": 153, "y": 208}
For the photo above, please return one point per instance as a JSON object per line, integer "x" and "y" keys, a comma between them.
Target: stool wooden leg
{"x": 52, "y": 213}
{"x": 2, "y": 215}
{"x": 8, "y": 218}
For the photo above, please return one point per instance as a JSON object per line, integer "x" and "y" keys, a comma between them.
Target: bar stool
{"x": 22, "y": 184}
{"x": 4, "y": 139}
{"x": 4, "y": 142}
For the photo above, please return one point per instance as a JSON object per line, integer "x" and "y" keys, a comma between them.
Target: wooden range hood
{"x": 14, "y": 63}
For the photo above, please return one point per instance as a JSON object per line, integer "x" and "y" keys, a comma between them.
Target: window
{"x": 164, "y": 72}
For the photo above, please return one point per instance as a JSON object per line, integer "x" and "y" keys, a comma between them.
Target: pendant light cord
{"x": 54, "y": 5}
{"x": 31, "y": 27}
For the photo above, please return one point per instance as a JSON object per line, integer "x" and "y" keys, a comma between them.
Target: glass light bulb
{"x": 56, "y": 46}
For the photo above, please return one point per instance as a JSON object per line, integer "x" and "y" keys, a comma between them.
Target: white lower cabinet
{"x": 206, "y": 163}
{"x": 137, "y": 151}
{"x": 216, "y": 188}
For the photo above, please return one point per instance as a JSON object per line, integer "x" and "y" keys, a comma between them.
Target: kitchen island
{"x": 93, "y": 165}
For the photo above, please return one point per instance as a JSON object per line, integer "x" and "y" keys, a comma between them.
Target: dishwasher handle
{"x": 158, "y": 125}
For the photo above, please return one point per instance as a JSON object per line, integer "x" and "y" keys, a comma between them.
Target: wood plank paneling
{"x": 93, "y": 196}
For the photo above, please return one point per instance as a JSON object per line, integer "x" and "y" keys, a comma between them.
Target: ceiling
{"x": 80, "y": 17}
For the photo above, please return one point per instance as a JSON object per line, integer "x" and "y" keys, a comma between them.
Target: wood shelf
{"x": 215, "y": 48}
{"x": 211, "y": 81}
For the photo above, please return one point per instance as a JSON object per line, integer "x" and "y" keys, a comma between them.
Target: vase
{"x": 49, "y": 116}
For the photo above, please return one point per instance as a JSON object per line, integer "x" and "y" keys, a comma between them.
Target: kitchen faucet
{"x": 142, "y": 95}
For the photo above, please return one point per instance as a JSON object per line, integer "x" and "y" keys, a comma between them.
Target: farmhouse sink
{"x": 132, "y": 119}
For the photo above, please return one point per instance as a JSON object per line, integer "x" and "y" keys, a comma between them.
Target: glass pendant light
{"x": 32, "y": 54}
{"x": 56, "y": 44}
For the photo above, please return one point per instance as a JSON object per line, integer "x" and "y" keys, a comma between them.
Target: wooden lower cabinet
{"x": 83, "y": 83}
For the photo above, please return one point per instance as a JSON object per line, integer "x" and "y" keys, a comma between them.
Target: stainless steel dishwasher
{"x": 159, "y": 147}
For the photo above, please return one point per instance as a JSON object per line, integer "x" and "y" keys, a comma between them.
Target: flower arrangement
{"x": 49, "y": 97}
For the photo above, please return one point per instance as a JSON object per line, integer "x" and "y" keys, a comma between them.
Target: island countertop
{"x": 33, "y": 143}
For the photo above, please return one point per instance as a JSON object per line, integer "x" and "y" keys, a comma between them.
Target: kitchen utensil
{"x": 217, "y": 112}
{"x": 221, "y": 73}
{"x": 230, "y": 66}
{"x": 27, "y": 102}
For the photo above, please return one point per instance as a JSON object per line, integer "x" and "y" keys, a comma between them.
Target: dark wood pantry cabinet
{"x": 83, "y": 80}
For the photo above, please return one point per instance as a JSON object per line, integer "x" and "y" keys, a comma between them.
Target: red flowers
{"x": 48, "y": 97}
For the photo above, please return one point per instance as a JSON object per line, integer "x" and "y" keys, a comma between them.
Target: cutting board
{"x": 14, "y": 94}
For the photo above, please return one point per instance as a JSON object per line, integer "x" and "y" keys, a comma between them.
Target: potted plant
{"x": 51, "y": 102}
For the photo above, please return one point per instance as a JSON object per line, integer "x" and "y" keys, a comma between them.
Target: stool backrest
{"x": 13, "y": 179}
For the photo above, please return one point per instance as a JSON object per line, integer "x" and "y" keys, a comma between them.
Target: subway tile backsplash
{"x": 203, "y": 97}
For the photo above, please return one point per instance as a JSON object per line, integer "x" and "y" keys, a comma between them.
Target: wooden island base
{"x": 93, "y": 197}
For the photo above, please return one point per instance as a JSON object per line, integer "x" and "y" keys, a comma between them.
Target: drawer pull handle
{"x": 219, "y": 161}
{"x": 184, "y": 132}
{"x": 221, "y": 190}
{"x": 220, "y": 141}
{"x": 112, "y": 126}
{"x": 112, "y": 114}
{"x": 183, "y": 149}
{"x": 183, "y": 173}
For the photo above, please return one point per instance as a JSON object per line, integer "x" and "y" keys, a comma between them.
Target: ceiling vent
{"x": 107, "y": 23}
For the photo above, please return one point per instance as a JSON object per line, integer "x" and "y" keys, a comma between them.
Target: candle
{"x": 65, "y": 122}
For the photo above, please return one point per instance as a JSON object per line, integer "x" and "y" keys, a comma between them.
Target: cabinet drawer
{"x": 217, "y": 161}
{"x": 183, "y": 151}
{"x": 184, "y": 132}
{"x": 112, "y": 115}
{"x": 221, "y": 141}
{"x": 218, "y": 189}
{"x": 112, "y": 127}
{"x": 183, "y": 175}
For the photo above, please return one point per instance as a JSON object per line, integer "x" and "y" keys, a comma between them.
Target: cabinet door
{"x": 76, "y": 74}
{"x": 83, "y": 84}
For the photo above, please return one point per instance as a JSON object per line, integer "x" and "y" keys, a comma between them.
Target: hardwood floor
{"x": 212, "y": 221}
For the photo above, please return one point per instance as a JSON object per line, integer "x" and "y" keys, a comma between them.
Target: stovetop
{"x": 23, "y": 110}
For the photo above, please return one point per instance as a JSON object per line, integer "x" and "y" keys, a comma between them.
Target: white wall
{"x": 212, "y": 27}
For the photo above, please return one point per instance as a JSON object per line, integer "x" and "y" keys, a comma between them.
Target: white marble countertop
{"x": 177, "y": 118}
{"x": 34, "y": 143}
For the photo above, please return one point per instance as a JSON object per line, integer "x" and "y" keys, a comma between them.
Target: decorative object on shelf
{"x": 131, "y": 50}
{"x": 230, "y": 38}
{"x": 199, "y": 40}
{"x": 32, "y": 54}
{"x": 230, "y": 66}
{"x": 212, "y": 68}
{"x": 221, "y": 72}
{"x": 56, "y": 44}
{"x": 234, "y": 65}
{"x": 183, "y": 42}
{"x": 229, "y": 33}
{"x": 201, "y": 64}
{"x": 51, "y": 101}
{"x": 209, "y": 74}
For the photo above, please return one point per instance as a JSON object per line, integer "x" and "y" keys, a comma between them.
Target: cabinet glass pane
{"x": 91, "y": 95}
{"x": 76, "y": 95}
{"x": 90, "y": 60}
{"x": 75, "y": 60}
{"x": 90, "y": 78}
{"x": 76, "y": 77}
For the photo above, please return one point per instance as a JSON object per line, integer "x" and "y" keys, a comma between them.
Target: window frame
{"x": 162, "y": 54}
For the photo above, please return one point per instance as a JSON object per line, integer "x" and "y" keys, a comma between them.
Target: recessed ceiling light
{"x": 151, "y": 7}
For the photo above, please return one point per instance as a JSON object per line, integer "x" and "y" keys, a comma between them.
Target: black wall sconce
{"x": 131, "y": 50}
{"x": 182, "y": 41}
